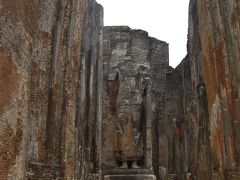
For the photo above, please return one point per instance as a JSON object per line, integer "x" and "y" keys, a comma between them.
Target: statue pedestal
{"x": 130, "y": 177}
{"x": 129, "y": 174}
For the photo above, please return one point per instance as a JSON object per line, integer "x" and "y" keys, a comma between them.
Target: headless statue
{"x": 129, "y": 141}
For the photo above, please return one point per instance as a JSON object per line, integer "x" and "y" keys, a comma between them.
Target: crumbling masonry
{"x": 82, "y": 101}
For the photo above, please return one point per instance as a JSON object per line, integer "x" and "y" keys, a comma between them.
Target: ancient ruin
{"x": 134, "y": 74}
{"x": 82, "y": 101}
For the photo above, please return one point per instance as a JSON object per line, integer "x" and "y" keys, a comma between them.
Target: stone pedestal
{"x": 129, "y": 174}
{"x": 130, "y": 177}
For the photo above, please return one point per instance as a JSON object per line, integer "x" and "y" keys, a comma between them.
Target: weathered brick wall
{"x": 214, "y": 54}
{"x": 171, "y": 136}
{"x": 210, "y": 96}
{"x": 89, "y": 98}
{"x": 177, "y": 132}
{"x": 41, "y": 68}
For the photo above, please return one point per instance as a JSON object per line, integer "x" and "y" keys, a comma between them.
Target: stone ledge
{"x": 130, "y": 177}
{"x": 127, "y": 171}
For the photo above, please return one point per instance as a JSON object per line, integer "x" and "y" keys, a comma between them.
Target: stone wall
{"x": 214, "y": 54}
{"x": 208, "y": 145}
{"x": 48, "y": 50}
{"x": 176, "y": 134}
{"x": 89, "y": 99}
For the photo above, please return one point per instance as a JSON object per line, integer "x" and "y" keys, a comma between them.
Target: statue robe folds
{"x": 129, "y": 106}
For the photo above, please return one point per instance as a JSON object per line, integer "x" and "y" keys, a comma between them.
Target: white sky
{"x": 165, "y": 20}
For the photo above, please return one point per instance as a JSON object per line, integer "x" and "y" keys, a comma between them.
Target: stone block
{"x": 130, "y": 177}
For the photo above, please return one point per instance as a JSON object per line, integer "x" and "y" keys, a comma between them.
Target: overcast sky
{"x": 165, "y": 20}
